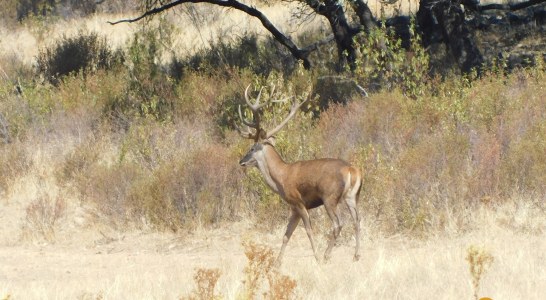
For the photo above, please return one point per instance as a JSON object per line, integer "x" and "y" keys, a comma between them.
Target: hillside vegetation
{"x": 130, "y": 136}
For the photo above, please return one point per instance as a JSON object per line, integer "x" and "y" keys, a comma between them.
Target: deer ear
{"x": 270, "y": 140}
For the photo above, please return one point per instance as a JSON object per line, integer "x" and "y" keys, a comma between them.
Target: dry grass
{"x": 42, "y": 217}
{"x": 162, "y": 266}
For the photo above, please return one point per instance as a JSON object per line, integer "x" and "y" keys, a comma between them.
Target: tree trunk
{"x": 364, "y": 14}
{"x": 334, "y": 12}
{"x": 444, "y": 20}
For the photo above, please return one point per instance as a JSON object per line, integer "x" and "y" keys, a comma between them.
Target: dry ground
{"x": 100, "y": 264}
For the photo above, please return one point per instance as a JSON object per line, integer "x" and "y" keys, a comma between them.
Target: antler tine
{"x": 282, "y": 100}
{"x": 272, "y": 91}
{"x": 256, "y": 125}
{"x": 257, "y": 105}
{"x": 255, "y": 108}
{"x": 278, "y": 101}
{"x": 245, "y": 133}
{"x": 293, "y": 110}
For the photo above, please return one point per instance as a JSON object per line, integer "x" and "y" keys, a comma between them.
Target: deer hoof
{"x": 356, "y": 257}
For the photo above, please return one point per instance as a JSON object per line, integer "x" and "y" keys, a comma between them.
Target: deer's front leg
{"x": 292, "y": 224}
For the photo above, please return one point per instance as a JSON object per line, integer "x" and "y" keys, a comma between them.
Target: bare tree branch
{"x": 301, "y": 54}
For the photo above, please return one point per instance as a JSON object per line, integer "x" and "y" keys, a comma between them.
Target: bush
{"x": 206, "y": 280}
{"x": 172, "y": 162}
{"x": 197, "y": 188}
{"x": 429, "y": 161}
{"x": 27, "y": 8}
{"x": 387, "y": 65}
{"x": 149, "y": 91}
{"x": 42, "y": 215}
{"x": 8, "y": 13}
{"x": 260, "y": 268}
{"x": 85, "y": 52}
{"x": 65, "y": 8}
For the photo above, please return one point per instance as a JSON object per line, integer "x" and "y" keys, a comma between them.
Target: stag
{"x": 304, "y": 185}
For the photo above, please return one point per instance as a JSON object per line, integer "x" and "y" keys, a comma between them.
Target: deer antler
{"x": 255, "y": 108}
{"x": 256, "y": 115}
{"x": 295, "y": 106}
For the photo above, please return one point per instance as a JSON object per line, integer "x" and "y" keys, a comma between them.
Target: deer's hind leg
{"x": 304, "y": 214}
{"x": 351, "y": 205}
{"x": 333, "y": 213}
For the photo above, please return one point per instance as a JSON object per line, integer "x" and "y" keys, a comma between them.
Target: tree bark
{"x": 334, "y": 12}
{"x": 364, "y": 14}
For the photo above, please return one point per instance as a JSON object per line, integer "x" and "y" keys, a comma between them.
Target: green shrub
{"x": 150, "y": 93}
{"x": 387, "y": 65}
{"x": 66, "y": 8}
{"x": 85, "y": 52}
{"x": 27, "y": 8}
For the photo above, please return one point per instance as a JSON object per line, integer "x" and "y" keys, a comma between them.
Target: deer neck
{"x": 273, "y": 168}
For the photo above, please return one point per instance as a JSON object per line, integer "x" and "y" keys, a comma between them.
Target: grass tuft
{"x": 206, "y": 280}
{"x": 42, "y": 216}
{"x": 260, "y": 269}
{"x": 479, "y": 259}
